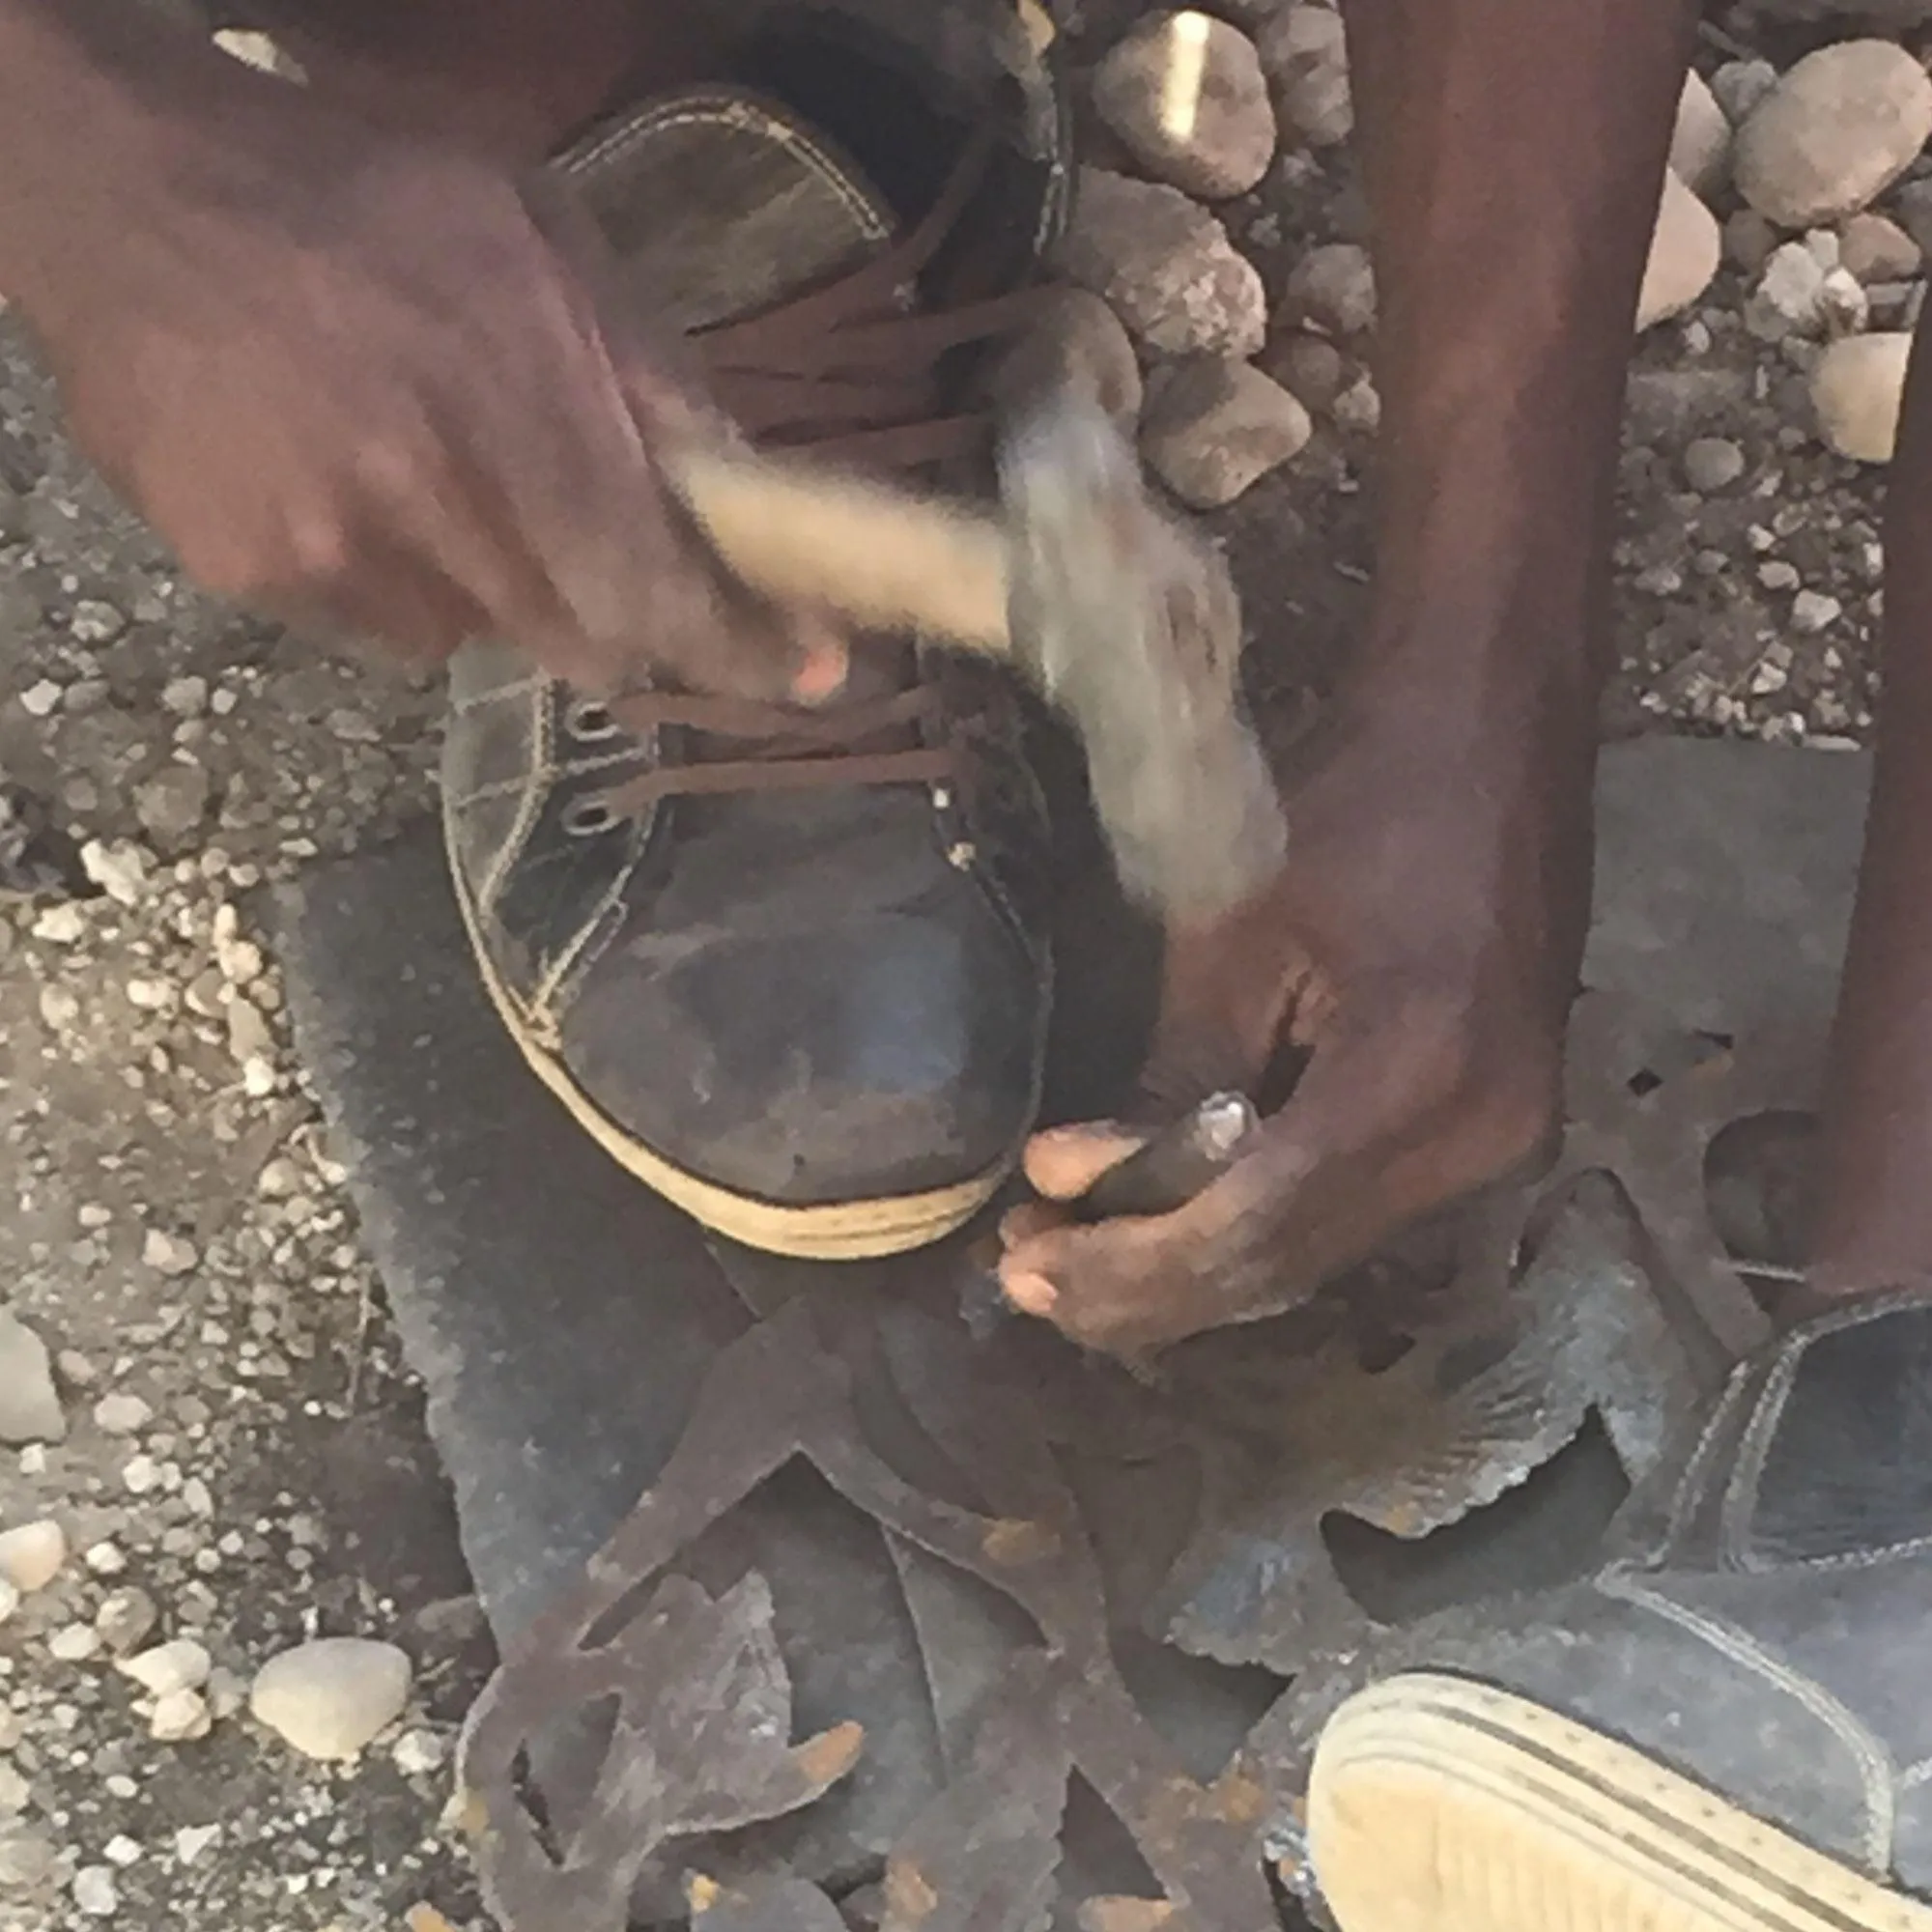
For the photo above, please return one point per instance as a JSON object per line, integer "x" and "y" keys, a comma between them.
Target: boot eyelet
{"x": 589, "y": 721}
{"x": 589, "y": 817}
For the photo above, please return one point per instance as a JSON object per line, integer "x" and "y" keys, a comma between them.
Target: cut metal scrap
{"x": 1604, "y": 1289}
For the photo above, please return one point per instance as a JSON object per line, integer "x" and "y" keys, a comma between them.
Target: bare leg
{"x": 1876, "y": 1220}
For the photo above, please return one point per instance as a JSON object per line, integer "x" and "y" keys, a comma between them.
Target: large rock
{"x": 1166, "y": 264}
{"x": 1186, "y": 94}
{"x": 1834, "y": 133}
{"x": 1215, "y": 428}
{"x": 1685, "y": 248}
{"x": 1856, "y": 391}
{"x": 331, "y": 1697}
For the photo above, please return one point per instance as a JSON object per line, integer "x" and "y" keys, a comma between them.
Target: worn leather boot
{"x": 789, "y": 967}
{"x": 1731, "y": 1726}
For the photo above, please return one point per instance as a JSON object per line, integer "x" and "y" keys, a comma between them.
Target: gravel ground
{"x": 239, "y": 1460}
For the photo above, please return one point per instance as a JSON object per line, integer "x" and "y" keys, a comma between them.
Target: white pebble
{"x": 1685, "y": 249}
{"x": 122, "y": 1414}
{"x": 1856, "y": 391}
{"x": 75, "y": 1643}
{"x": 181, "y": 1664}
{"x": 1813, "y": 611}
{"x": 41, "y": 700}
{"x": 121, "y": 1850}
{"x": 329, "y": 1698}
{"x": 104, "y": 1560}
{"x": 191, "y": 1841}
{"x": 16, "y": 1793}
{"x": 120, "y": 870}
{"x": 418, "y": 1754}
{"x": 32, "y": 1555}
{"x": 179, "y": 1718}
{"x": 30, "y": 1406}
{"x": 62, "y": 925}
{"x": 169, "y": 1254}
{"x": 93, "y": 1891}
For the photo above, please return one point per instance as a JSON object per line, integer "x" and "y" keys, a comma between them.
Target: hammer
{"x": 1125, "y": 622}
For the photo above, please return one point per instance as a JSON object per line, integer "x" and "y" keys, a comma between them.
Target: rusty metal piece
{"x": 1602, "y": 1290}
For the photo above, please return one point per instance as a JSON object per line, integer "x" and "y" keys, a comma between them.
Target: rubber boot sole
{"x": 1437, "y": 1805}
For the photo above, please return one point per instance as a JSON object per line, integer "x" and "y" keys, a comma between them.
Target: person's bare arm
{"x": 1423, "y": 944}
{"x": 351, "y": 376}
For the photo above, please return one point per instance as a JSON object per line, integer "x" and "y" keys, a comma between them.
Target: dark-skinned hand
{"x": 1407, "y": 951}
{"x": 365, "y": 383}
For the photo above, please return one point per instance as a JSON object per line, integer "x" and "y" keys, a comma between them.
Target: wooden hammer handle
{"x": 881, "y": 558}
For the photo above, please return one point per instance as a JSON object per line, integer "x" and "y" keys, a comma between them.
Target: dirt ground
{"x": 178, "y": 1234}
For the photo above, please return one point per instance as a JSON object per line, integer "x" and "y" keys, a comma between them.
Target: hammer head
{"x": 1131, "y": 625}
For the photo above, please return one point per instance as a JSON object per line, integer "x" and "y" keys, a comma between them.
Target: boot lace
{"x": 846, "y": 371}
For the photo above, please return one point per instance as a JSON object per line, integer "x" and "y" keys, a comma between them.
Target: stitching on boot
{"x": 1877, "y": 1773}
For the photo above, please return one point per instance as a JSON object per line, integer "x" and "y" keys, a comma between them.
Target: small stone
{"x": 28, "y": 1859}
{"x": 1739, "y": 86}
{"x": 328, "y": 1698}
{"x": 1308, "y": 367}
{"x": 121, "y": 1850}
{"x": 1700, "y": 146}
{"x": 1333, "y": 288}
{"x": 104, "y": 1560}
{"x": 249, "y": 1037}
{"x": 64, "y": 924}
{"x": 1685, "y": 247}
{"x": 1875, "y": 248}
{"x": 30, "y": 1406}
{"x": 419, "y": 1753}
{"x": 125, "y": 1620}
{"x": 169, "y": 1254}
{"x": 32, "y": 1555}
{"x": 1166, "y": 266}
{"x": 191, "y": 1841}
{"x": 1713, "y": 462}
{"x": 180, "y": 1664}
{"x": 1856, "y": 391}
{"x": 121, "y": 1413}
{"x": 179, "y": 1718}
{"x": 185, "y": 696}
{"x": 60, "y": 1009}
{"x": 41, "y": 700}
{"x": 120, "y": 869}
{"x": 75, "y": 1643}
{"x": 172, "y": 805}
{"x": 9, "y": 1599}
{"x": 1186, "y": 96}
{"x": 1305, "y": 54}
{"x": 93, "y": 1891}
{"x": 1216, "y": 427}
{"x": 1077, "y": 346}
{"x": 1813, "y": 611}
{"x": 95, "y": 622}
{"x": 1835, "y": 132}
{"x": 1790, "y": 298}
{"x": 16, "y": 1793}
{"x": 1358, "y": 408}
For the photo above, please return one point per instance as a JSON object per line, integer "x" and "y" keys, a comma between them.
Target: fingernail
{"x": 821, "y": 675}
{"x": 1030, "y": 1293}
